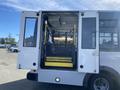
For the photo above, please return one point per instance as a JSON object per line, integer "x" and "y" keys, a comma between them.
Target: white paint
{"x": 28, "y": 55}
{"x": 110, "y": 59}
{"x": 89, "y": 58}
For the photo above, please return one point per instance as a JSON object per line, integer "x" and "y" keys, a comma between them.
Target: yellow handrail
{"x": 46, "y": 26}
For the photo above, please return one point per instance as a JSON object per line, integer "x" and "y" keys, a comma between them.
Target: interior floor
{"x": 60, "y": 40}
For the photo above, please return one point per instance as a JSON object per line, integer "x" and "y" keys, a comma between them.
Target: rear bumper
{"x": 32, "y": 76}
{"x": 66, "y": 77}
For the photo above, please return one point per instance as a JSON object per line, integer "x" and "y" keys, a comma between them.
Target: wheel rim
{"x": 101, "y": 84}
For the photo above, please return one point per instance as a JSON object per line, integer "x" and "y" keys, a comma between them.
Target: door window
{"x": 30, "y": 34}
{"x": 88, "y": 33}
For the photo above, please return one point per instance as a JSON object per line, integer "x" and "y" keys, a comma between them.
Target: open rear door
{"x": 29, "y": 41}
{"x": 88, "y": 42}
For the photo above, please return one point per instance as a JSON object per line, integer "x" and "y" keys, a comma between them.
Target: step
{"x": 59, "y": 64}
{"x": 59, "y": 59}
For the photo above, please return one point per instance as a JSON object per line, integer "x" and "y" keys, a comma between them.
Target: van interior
{"x": 59, "y": 40}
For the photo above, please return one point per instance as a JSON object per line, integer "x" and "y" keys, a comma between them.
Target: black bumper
{"x": 32, "y": 76}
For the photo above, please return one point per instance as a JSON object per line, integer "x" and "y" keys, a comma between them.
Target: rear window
{"x": 88, "y": 33}
{"x": 30, "y": 34}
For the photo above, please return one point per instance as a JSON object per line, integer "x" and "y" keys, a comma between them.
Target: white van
{"x": 71, "y": 47}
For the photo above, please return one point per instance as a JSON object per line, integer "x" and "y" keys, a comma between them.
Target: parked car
{"x": 13, "y": 48}
{"x": 2, "y": 46}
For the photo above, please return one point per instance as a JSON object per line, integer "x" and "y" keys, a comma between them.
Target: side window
{"x": 88, "y": 33}
{"x": 30, "y": 34}
{"x": 108, "y": 40}
{"x": 109, "y": 27}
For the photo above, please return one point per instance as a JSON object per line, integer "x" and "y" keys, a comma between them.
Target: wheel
{"x": 101, "y": 81}
{"x": 14, "y": 50}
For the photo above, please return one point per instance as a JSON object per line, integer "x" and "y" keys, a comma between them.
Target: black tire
{"x": 15, "y": 50}
{"x": 101, "y": 78}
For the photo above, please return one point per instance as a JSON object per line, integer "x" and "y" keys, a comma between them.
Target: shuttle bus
{"x": 79, "y": 48}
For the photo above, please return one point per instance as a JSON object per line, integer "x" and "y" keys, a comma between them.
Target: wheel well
{"x": 109, "y": 71}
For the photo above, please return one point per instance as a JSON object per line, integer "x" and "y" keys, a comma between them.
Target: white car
{"x": 14, "y": 49}
{"x": 2, "y": 46}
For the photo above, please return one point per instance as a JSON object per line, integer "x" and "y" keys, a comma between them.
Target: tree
{"x": 10, "y": 39}
{"x": 2, "y": 41}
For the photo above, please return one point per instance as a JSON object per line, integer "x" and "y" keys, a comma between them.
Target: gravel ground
{"x": 14, "y": 79}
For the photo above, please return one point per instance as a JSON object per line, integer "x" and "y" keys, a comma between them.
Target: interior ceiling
{"x": 63, "y": 22}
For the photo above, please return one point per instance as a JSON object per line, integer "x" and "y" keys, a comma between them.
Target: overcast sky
{"x": 10, "y": 10}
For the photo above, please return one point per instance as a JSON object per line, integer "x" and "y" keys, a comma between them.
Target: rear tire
{"x": 101, "y": 81}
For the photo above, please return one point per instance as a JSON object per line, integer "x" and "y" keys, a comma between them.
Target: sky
{"x": 10, "y": 10}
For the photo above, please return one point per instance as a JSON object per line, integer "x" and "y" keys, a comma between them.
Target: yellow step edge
{"x": 58, "y": 60}
{"x": 58, "y": 64}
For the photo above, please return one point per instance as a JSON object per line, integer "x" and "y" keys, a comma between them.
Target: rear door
{"x": 88, "y": 42}
{"x": 29, "y": 41}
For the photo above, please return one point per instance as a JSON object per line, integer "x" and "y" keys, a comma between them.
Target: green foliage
{"x": 7, "y": 41}
{"x": 2, "y": 41}
{"x": 10, "y": 41}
